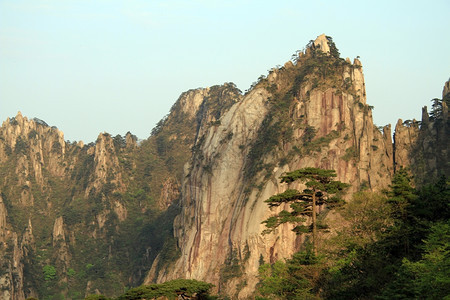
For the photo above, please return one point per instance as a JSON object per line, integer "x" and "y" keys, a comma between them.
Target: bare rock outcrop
{"x": 405, "y": 137}
{"x": 3, "y": 227}
{"x": 12, "y": 282}
{"x": 169, "y": 193}
{"x": 446, "y": 89}
{"x": 58, "y": 230}
{"x": 321, "y": 43}
{"x": 219, "y": 227}
{"x": 422, "y": 147}
{"x": 38, "y": 144}
{"x": 311, "y": 112}
{"x": 107, "y": 167}
{"x": 11, "y": 279}
{"x": 87, "y": 192}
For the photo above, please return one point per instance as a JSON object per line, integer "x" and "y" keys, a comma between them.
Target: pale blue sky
{"x": 117, "y": 66}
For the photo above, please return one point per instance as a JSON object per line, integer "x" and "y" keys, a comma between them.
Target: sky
{"x": 92, "y": 66}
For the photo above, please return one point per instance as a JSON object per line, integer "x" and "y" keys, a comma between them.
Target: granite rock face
{"x": 219, "y": 225}
{"x": 321, "y": 43}
{"x": 85, "y": 208}
{"x": 62, "y": 199}
{"x": 13, "y": 284}
{"x": 423, "y": 147}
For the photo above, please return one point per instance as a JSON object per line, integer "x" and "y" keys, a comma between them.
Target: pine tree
{"x": 320, "y": 189}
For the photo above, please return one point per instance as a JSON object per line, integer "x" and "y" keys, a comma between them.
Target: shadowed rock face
{"x": 60, "y": 200}
{"x": 222, "y": 208}
{"x": 423, "y": 149}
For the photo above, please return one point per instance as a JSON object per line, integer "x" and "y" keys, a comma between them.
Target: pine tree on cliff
{"x": 320, "y": 189}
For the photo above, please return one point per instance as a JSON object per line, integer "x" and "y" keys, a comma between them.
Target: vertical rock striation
{"x": 105, "y": 199}
{"x": 311, "y": 113}
{"x": 97, "y": 216}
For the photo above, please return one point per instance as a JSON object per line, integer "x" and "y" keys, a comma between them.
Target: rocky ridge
{"x": 423, "y": 146}
{"x": 116, "y": 213}
{"x": 324, "y": 122}
{"x": 62, "y": 199}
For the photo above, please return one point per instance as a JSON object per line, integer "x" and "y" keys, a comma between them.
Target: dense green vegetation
{"x": 174, "y": 289}
{"x": 395, "y": 246}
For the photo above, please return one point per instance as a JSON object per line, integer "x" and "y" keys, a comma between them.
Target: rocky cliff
{"x": 309, "y": 113}
{"x": 111, "y": 199}
{"x": 312, "y": 112}
{"x": 422, "y": 147}
{"x": 188, "y": 201}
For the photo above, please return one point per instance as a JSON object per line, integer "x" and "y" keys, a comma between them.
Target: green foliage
{"x": 21, "y": 146}
{"x": 231, "y": 268}
{"x": 56, "y": 147}
{"x": 83, "y": 169}
{"x": 293, "y": 279}
{"x": 219, "y": 100}
{"x": 286, "y": 196}
{"x": 273, "y": 128}
{"x": 432, "y": 203}
{"x": 119, "y": 142}
{"x": 13, "y": 121}
{"x": 33, "y": 133}
{"x": 437, "y": 107}
{"x": 71, "y": 272}
{"x": 170, "y": 289}
{"x": 350, "y": 153}
{"x": 158, "y": 235}
{"x": 321, "y": 189}
{"x": 333, "y": 49}
{"x": 403, "y": 257}
{"x": 367, "y": 216}
{"x": 400, "y": 196}
{"x": 316, "y": 68}
{"x": 309, "y": 134}
{"x": 159, "y": 126}
{"x": 75, "y": 211}
{"x": 273, "y": 279}
{"x": 49, "y": 272}
{"x": 315, "y": 145}
{"x": 429, "y": 277}
{"x": 96, "y": 297}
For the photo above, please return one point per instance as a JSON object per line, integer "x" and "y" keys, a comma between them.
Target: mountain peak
{"x": 321, "y": 43}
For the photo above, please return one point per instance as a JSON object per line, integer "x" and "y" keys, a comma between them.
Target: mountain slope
{"x": 309, "y": 113}
{"x": 76, "y": 219}
{"x": 188, "y": 201}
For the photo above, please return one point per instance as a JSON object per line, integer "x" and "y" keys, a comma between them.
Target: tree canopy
{"x": 170, "y": 289}
{"x": 320, "y": 189}
{"x": 184, "y": 288}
